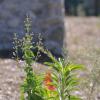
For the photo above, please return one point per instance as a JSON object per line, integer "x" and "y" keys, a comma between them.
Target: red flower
{"x": 48, "y": 82}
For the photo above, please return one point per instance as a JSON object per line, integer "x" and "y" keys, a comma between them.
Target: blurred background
{"x": 82, "y": 7}
{"x": 82, "y": 40}
{"x": 82, "y": 23}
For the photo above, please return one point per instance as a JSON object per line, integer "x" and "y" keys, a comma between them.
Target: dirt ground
{"x": 82, "y": 37}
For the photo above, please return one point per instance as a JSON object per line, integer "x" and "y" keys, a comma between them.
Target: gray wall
{"x": 47, "y": 18}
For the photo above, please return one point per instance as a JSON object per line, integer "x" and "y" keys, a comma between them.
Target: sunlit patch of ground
{"x": 83, "y": 37}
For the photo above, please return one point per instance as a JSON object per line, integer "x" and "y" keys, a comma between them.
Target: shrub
{"x": 56, "y": 84}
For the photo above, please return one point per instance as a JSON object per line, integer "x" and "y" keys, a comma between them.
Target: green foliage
{"x": 31, "y": 87}
{"x": 62, "y": 79}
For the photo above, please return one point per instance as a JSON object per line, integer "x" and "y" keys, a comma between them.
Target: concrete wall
{"x": 47, "y": 18}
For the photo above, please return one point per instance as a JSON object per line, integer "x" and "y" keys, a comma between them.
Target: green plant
{"x": 63, "y": 76}
{"x": 31, "y": 87}
{"x": 32, "y": 82}
{"x": 56, "y": 85}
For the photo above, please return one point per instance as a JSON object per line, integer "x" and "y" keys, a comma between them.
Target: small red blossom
{"x": 48, "y": 82}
